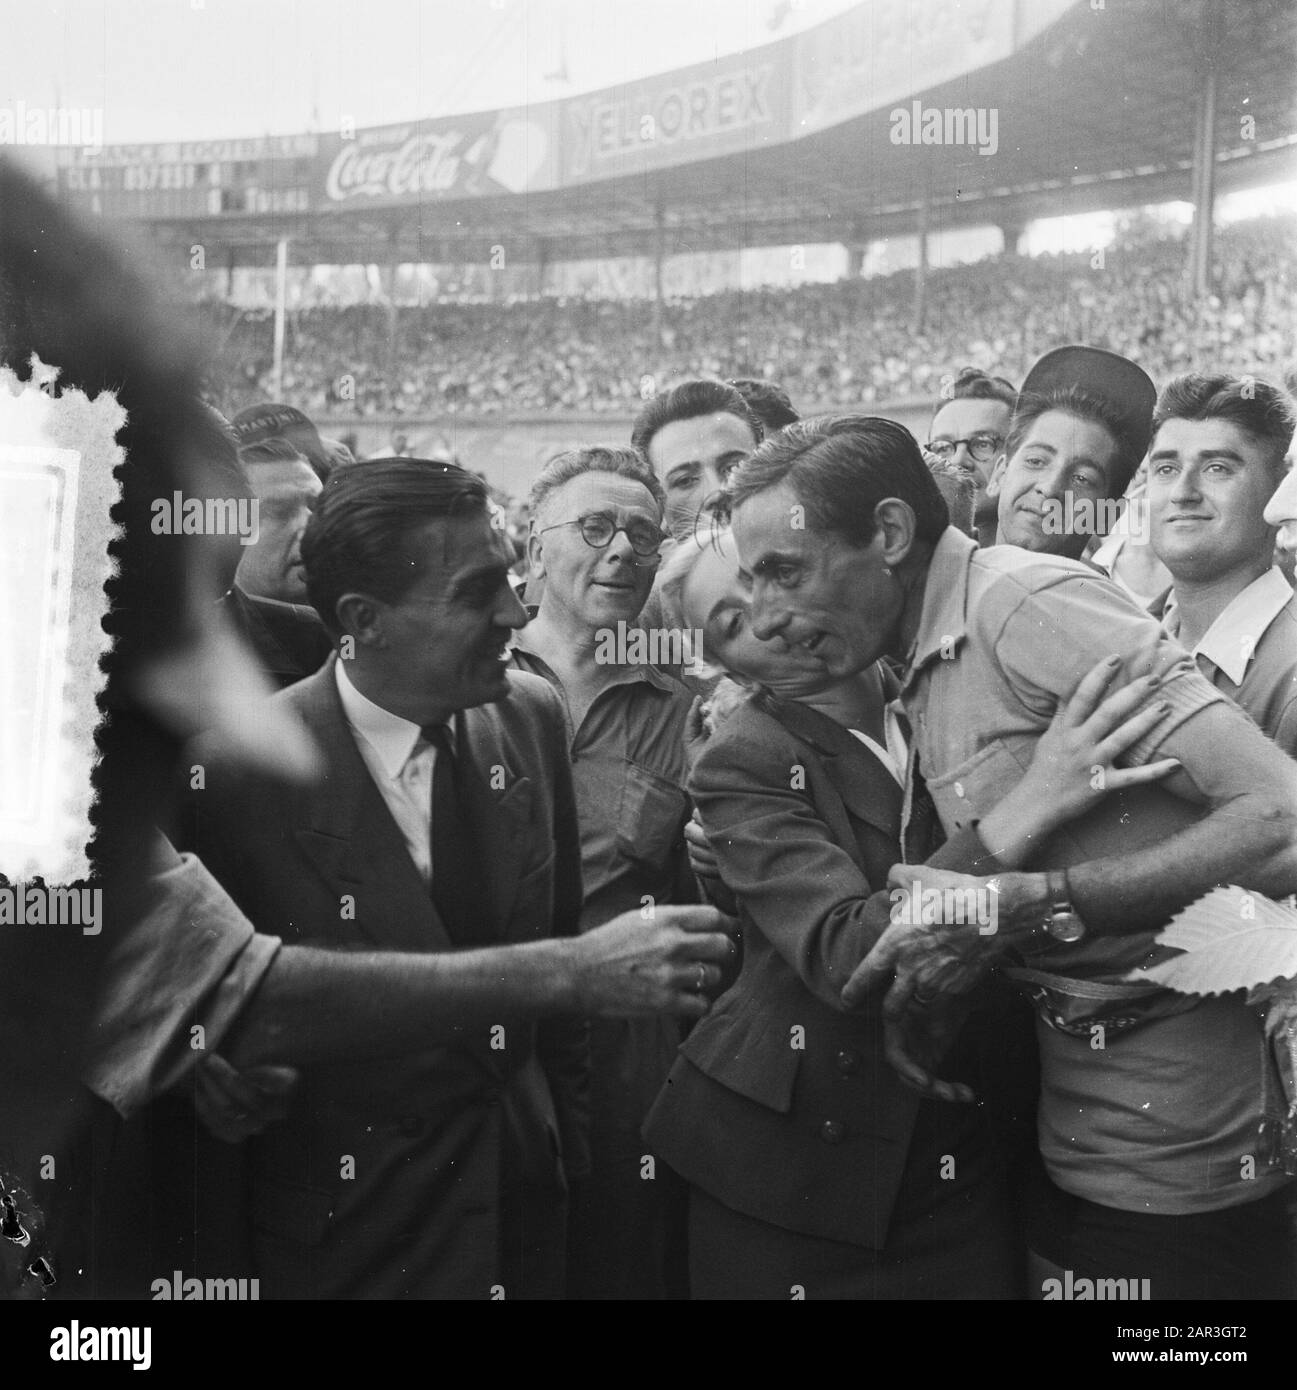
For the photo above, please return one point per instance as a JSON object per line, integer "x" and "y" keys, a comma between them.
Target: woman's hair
{"x": 679, "y": 564}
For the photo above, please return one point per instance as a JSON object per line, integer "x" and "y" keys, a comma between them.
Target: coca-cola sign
{"x": 474, "y": 155}
{"x": 419, "y": 166}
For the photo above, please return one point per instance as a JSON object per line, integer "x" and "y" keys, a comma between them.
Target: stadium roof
{"x": 823, "y": 136}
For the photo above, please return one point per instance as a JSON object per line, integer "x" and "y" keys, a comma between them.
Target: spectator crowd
{"x": 831, "y": 346}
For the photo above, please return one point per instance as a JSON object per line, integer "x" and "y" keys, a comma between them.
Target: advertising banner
{"x": 738, "y": 103}
{"x": 486, "y": 153}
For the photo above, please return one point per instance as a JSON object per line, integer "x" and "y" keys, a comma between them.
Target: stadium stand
{"x": 829, "y": 346}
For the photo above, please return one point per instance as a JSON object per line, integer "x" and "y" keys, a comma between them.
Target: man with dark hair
{"x": 1219, "y": 452}
{"x": 445, "y": 821}
{"x": 1079, "y": 430}
{"x": 968, "y": 431}
{"x": 266, "y": 602}
{"x": 850, "y": 561}
{"x": 260, "y": 423}
{"x": 693, "y": 435}
{"x": 768, "y": 402}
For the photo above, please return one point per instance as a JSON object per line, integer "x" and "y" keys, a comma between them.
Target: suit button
{"x": 831, "y": 1131}
{"x": 411, "y": 1126}
{"x": 848, "y": 1061}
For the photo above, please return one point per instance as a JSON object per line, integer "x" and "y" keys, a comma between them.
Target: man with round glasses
{"x": 968, "y": 431}
{"x": 598, "y": 529}
{"x": 595, "y": 538}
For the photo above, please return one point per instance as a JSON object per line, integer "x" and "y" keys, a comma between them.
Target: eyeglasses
{"x": 982, "y": 446}
{"x": 598, "y": 529}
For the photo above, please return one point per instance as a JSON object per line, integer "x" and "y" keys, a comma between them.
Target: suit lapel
{"x": 500, "y": 810}
{"x": 868, "y": 790}
{"x": 347, "y": 831}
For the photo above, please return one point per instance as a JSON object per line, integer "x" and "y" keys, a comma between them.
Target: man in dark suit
{"x": 444, "y": 820}
{"x": 266, "y": 604}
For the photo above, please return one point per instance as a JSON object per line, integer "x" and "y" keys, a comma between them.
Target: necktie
{"x": 456, "y": 886}
{"x": 922, "y": 834}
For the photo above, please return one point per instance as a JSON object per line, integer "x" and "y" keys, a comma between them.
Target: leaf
{"x": 1231, "y": 939}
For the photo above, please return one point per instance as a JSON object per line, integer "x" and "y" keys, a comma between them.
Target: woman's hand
{"x": 1073, "y": 764}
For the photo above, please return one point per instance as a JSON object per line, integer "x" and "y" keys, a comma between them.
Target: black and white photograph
{"x": 648, "y": 654}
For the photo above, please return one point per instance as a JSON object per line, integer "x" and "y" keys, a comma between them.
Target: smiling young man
{"x": 694, "y": 435}
{"x": 851, "y": 558}
{"x": 1219, "y": 454}
{"x": 595, "y": 536}
{"x": 1079, "y": 430}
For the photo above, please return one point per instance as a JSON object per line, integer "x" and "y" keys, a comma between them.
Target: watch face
{"x": 1065, "y": 926}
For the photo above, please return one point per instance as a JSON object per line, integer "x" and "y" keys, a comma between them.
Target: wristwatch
{"x": 1062, "y": 922}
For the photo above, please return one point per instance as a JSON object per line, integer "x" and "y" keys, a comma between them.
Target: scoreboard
{"x": 197, "y": 178}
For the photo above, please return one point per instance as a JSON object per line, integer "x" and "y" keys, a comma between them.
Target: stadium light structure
{"x": 281, "y": 302}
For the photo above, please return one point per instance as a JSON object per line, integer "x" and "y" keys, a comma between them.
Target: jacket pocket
{"x": 748, "y": 1053}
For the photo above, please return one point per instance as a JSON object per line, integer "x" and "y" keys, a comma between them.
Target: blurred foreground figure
{"x": 93, "y": 1029}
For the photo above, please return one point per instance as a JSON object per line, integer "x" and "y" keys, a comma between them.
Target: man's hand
{"x": 706, "y": 867}
{"x": 924, "y": 1007}
{"x": 664, "y": 963}
{"x": 702, "y": 857}
{"x": 234, "y": 1105}
{"x": 943, "y": 957}
{"x": 915, "y": 1039}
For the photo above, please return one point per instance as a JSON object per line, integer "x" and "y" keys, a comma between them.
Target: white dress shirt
{"x": 1231, "y": 641}
{"x": 400, "y": 760}
{"x": 895, "y": 757}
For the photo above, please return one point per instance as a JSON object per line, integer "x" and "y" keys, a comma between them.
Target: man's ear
{"x": 361, "y": 617}
{"x": 535, "y": 553}
{"x": 897, "y": 530}
{"x": 997, "y": 474}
